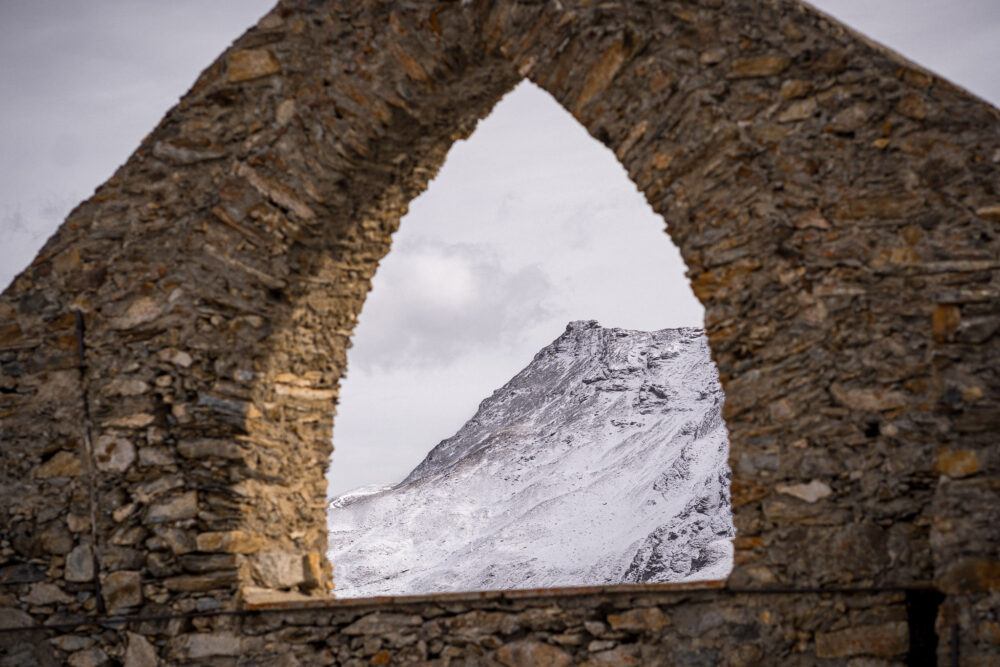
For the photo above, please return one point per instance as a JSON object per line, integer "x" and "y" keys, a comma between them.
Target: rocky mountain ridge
{"x": 603, "y": 461}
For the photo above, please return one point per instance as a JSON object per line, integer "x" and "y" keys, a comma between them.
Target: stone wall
{"x": 171, "y": 359}
{"x": 637, "y": 625}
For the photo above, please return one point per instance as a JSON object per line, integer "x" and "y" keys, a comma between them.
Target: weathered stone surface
{"x": 182, "y": 155}
{"x": 139, "y": 652}
{"x": 176, "y": 357}
{"x": 529, "y": 653}
{"x": 851, "y": 119}
{"x": 275, "y": 569}
{"x": 126, "y": 386}
{"x": 205, "y": 645}
{"x": 208, "y": 562}
{"x": 141, "y": 311}
{"x": 649, "y": 619}
{"x": 958, "y": 462}
{"x": 80, "y": 564}
{"x": 913, "y": 106}
{"x": 133, "y": 421}
{"x": 114, "y": 453}
{"x": 232, "y": 541}
{"x": 122, "y": 590}
{"x": 759, "y": 66}
{"x": 946, "y": 320}
{"x": 793, "y": 88}
{"x": 91, "y": 657}
{"x": 176, "y": 508}
{"x": 45, "y": 593}
{"x": 200, "y": 583}
{"x": 15, "y": 618}
{"x": 251, "y": 64}
{"x": 799, "y": 110}
{"x": 868, "y": 400}
{"x": 381, "y": 623}
{"x": 602, "y": 73}
{"x": 62, "y": 464}
{"x": 811, "y": 492}
{"x": 204, "y": 448}
{"x": 968, "y": 575}
{"x": 71, "y": 643}
{"x": 885, "y": 641}
{"x": 60, "y": 385}
{"x": 613, "y": 657}
{"x": 991, "y": 213}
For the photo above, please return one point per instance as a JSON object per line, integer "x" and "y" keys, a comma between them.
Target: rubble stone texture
{"x": 837, "y": 208}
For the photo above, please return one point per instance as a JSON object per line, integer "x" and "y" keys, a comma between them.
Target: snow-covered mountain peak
{"x": 603, "y": 461}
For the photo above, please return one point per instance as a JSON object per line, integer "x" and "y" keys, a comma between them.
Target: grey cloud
{"x": 434, "y": 302}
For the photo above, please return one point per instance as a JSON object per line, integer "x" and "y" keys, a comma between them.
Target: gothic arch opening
{"x": 529, "y": 225}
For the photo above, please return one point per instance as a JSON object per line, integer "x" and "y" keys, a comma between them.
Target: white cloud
{"x": 434, "y": 302}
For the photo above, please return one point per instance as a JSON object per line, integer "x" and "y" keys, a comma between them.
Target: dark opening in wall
{"x": 922, "y": 611}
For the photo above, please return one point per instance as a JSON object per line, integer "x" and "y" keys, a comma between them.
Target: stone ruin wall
{"x": 169, "y": 363}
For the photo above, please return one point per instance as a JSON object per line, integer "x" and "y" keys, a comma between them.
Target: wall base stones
{"x": 624, "y": 625}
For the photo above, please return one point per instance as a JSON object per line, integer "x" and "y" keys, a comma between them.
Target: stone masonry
{"x": 169, "y": 363}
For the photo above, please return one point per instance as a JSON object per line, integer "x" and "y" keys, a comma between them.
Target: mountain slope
{"x": 603, "y": 461}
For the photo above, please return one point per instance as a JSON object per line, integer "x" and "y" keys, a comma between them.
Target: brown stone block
{"x": 251, "y": 64}
{"x": 312, "y": 569}
{"x": 380, "y": 623}
{"x": 989, "y": 631}
{"x": 748, "y": 543}
{"x": 884, "y": 641}
{"x": 601, "y": 74}
{"x": 530, "y": 653}
{"x": 114, "y": 453}
{"x": 912, "y": 106}
{"x": 852, "y": 118}
{"x": 201, "y": 448}
{"x": 178, "y": 508}
{"x": 10, "y": 334}
{"x": 833, "y": 61}
{"x": 957, "y": 463}
{"x": 276, "y": 569}
{"x": 799, "y": 110}
{"x": 413, "y": 68}
{"x": 991, "y": 213}
{"x": 201, "y": 582}
{"x": 970, "y": 575}
{"x": 661, "y": 161}
{"x": 793, "y": 88}
{"x": 122, "y": 589}
{"x": 63, "y": 464}
{"x": 745, "y": 491}
{"x": 875, "y": 399}
{"x": 916, "y": 78}
{"x": 230, "y": 541}
{"x": 945, "y": 321}
{"x": 880, "y": 208}
{"x": 647, "y": 619}
{"x": 204, "y": 645}
{"x": 759, "y": 66}
{"x": 141, "y": 311}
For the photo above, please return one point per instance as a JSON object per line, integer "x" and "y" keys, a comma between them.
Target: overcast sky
{"x": 529, "y": 225}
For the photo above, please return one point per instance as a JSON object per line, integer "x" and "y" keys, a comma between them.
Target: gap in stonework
{"x": 529, "y": 225}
